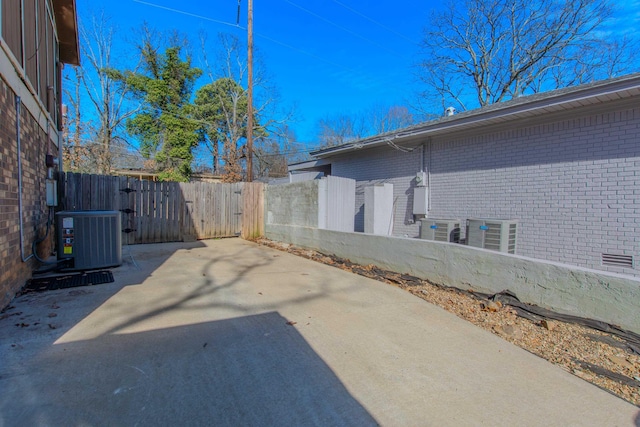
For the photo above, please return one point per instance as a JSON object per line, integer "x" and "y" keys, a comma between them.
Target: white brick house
{"x": 565, "y": 164}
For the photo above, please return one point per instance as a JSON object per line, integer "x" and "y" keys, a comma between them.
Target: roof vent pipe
{"x": 450, "y": 111}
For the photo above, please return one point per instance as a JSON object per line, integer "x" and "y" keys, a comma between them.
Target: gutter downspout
{"x": 429, "y": 172}
{"x": 20, "y": 207}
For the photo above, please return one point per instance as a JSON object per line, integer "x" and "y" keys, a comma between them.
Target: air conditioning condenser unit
{"x": 440, "y": 230}
{"x": 89, "y": 239}
{"x": 493, "y": 234}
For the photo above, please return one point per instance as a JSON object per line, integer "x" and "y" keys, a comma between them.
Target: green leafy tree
{"x": 165, "y": 125}
{"x": 222, "y": 105}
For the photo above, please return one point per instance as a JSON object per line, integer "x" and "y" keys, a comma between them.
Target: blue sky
{"x": 324, "y": 56}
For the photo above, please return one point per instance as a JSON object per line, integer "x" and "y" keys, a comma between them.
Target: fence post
{"x": 253, "y": 210}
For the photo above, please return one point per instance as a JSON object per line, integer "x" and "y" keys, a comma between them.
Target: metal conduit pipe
{"x": 429, "y": 153}
{"x": 20, "y": 208}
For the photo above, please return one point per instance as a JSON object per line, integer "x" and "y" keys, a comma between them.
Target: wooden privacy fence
{"x": 156, "y": 212}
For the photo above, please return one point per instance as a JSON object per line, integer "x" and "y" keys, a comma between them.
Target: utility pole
{"x": 250, "y": 92}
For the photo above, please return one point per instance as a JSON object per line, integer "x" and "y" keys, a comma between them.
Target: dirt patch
{"x": 600, "y": 358}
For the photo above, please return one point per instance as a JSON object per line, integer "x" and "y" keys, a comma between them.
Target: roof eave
{"x": 305, "y": 165}
{"x": 67, "y": 28}
{"x": 509, "y": 112}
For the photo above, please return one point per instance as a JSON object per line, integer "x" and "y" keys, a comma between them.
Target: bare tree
{"x": 384, "y": 118}
{"x": 273, "y": 154}
{"x": 341, "y": 128}
{"x": 72, "y": 149}
{"x": 222, "y": 104}
{"x": 107, "y": 97}
{"x": 480, "y": 52}
{"x": 270, "y": 160}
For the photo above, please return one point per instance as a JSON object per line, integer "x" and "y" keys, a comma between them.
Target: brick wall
{"x": 14, "y": 272}
{"x": 573, "y": 184}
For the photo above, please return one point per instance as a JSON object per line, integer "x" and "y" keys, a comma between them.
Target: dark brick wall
{"x": 13, "y": 271}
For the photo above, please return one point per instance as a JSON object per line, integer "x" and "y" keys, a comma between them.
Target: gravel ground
{"x": 599, "y": 358}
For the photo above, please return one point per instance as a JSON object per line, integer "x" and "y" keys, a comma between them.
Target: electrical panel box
{"x": 440, "y": 230}
{"x": 420, "y": 200}
{"x": 494, "y": 234}
{"x": 89, "y": 239}
{"x": 52, "y": 192}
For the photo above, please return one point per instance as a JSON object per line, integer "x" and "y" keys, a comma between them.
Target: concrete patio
{"x": 226, "y": 332}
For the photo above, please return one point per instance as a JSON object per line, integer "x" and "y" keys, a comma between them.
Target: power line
{"x": 312, "y": 55}
{"x": 288, "y": 46}
{"x": 343, "y": 28}
{"x": 182, "y": 12}
{"x": 278, "y": 42}
{"x": 391, "y": 30}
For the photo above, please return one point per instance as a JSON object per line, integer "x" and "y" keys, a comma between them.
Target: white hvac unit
{"x": 494, "y": 234}
{"x": 89, "y": 239}
{"x": 440, "y": 230}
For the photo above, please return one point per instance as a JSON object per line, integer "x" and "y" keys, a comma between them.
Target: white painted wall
{"x": 327, "y": 203}
{"x": 566, "y": 289}
{"x": 378, "y": 209}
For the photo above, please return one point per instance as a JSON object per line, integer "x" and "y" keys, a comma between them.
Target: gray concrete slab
{"x": 225, "y": 332}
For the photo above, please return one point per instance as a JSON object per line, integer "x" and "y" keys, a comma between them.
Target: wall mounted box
{"x": 420, "y": 200}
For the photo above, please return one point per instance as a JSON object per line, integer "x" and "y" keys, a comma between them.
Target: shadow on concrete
{"x": 49, "y": 315}
{"x": 252, "y": 369}
{"x": 201, "y": 290}
{"x": 248, "y": 370}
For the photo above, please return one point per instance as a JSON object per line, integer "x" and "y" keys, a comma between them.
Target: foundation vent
{"x": 615, "y": 260}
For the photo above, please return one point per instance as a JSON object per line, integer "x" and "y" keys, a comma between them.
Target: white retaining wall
{"x": 571, "y": 290}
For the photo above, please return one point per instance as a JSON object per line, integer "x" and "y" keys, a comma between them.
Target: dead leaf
{"x": 549, "y": 325}
{"x": 291, "y": 322}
